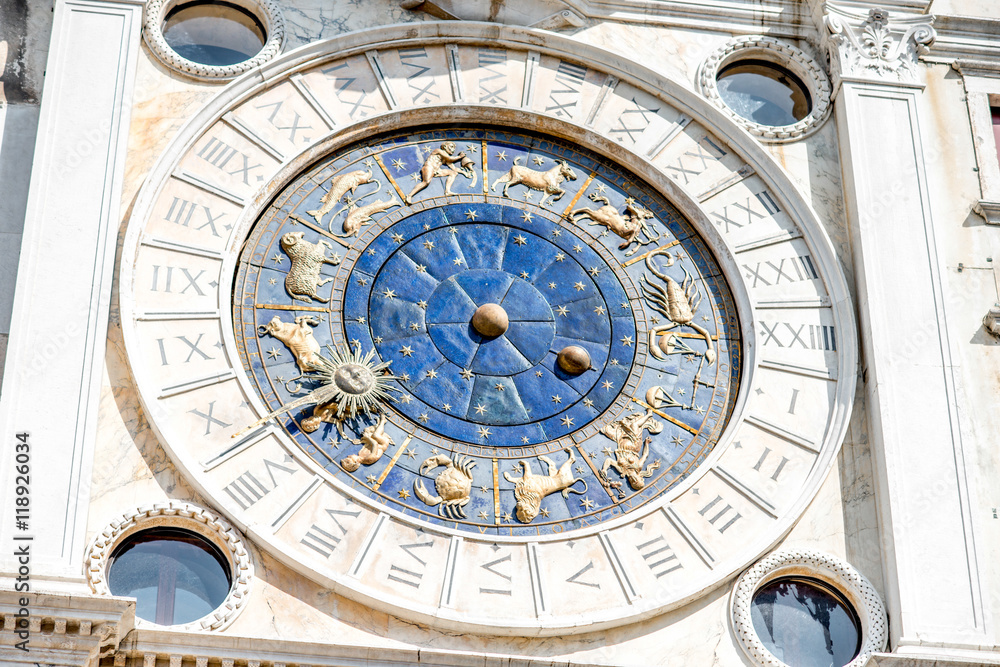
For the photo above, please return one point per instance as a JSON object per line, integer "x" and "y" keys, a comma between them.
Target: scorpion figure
{"x": 678, "y": 303}
{"x": 453, "y": 484}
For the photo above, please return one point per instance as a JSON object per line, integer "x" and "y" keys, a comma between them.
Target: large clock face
{"x": 487, "y": 379}
{"x": 532, "y": 301}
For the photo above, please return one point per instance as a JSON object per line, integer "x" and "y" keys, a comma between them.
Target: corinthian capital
{"x": 875, "y": 48}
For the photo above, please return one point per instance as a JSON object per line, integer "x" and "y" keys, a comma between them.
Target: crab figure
{"x": 453, "y": 484}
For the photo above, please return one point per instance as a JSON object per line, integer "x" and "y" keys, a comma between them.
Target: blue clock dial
{"x": 556, "y": 343}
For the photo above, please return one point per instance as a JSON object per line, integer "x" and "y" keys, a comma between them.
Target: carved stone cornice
{"x": 875, "y": 48}
{"x": 61, "y": 629}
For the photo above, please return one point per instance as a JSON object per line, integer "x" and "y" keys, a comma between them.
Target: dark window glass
{"x": 213, "y": 33}
{"x": 805, "y": 624}
{"x": 995, "y": 111}
{"x": 175, "y": 576}
{"x": 764, "y": 93}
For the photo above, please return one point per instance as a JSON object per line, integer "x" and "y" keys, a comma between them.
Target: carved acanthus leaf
{"x": 874, "y": 48}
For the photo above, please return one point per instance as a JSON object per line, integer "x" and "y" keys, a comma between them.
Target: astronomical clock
{"x": 486, "y": 335}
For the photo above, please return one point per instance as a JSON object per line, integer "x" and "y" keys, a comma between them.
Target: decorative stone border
{"x": 184, "y": 516}
{"x": 816, "y": 565}
{"x": 772, "y": 50}
{"x": 268, "y": 12}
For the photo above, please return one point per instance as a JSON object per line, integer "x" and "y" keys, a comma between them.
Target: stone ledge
{"x": 990, "y": 210}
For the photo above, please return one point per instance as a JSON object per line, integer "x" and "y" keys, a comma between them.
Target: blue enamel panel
{"x": 409, "y": 283}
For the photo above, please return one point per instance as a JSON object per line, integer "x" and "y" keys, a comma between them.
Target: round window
{"x": 175, "y": 576}
{"x": 805, "y": 623}
{"x": 213, "y": 33}
{"x": 764, "y": 93}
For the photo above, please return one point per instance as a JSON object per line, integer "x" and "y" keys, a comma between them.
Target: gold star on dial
{"x": 507, "y": 518}
{"x": 404, "y": 494}
{"x": 601, "y": 188}
{"x": 627, "y": 341}
{"x": 567, "y": 421}
{"x": 466, "y": 374}
{"x": 599, "y": 310}
{"x": 362, "y": 281}
{"x": 562, "y": 310}
{"x": 524, "y": 275}
{"x": 538, "y": 374}
{"x": 277, "y": 259}
{"x": 552, "y": 285}
{"x": 520, "y": 240}
{"x": 421, "y": 268}
{"x": 526, "y": 216}
{"x": 398, "y": 238}
{"x": 594, "y": 271}
{"x": 607, "y": 384}
{"x": 429, "y": 244}
{"x": 524, "y": 439}
{"x": 480, "y": 409}
{"x": 560, "y": 257}
{"x": 360, "y": 320}
{"x": 589, "y": 403}
{"x": 484, "y": 489}
{"x": 544, "y": 512}
{"x": 272, "y": 281}
{"x": 484, "y": 432}
{"x": 424, "y": 418}
{"x": 502, "y": 155}
{"x": 422, "y": 304}
{"x": 586, "y": 503}
{"x": 538, "y": 159}
{"x": 406, "y": 351}
{"x": 415, "y": 326}
{"x": 700, "y": 410}
{"x": 273, "y": 353}
{"x": 578, "y": 248}
{"x": 498, "y": 387}
{"x": 556, "y": 232}
{"x": 398, "y": 164}
{"x": 457, "y": 261}
{"x": 405, "y": 399}
{"x": 470, "y": 214}
{"x": 483, "y": 515}
{"x": 579, "y": 286}
{"x": 557, "y": 399}
{"x": 370, "y": 479}
{"x": 410, "y": 453}
{"x": 431, "y": 374}
{"x": 389, "y": 294}
{"x": 446, "y": 407}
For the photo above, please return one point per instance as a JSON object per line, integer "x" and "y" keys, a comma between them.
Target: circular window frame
{"x": 773, "y": 51}
{"x": 186, "y": 517}
{"x": 267, "y": 12}
{"x": 828, "y": 570}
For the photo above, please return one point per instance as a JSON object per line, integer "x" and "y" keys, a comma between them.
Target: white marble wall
{"x": 131, "y": 468}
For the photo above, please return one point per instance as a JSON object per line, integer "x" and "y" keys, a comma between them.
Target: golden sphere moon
{"x": 573, "y": 359}
{"x": 490, "y": 320}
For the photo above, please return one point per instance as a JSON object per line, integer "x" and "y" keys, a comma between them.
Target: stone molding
{"x": 831, "y": 570}
{"x": 63, "y": 629}
{"x": 876, "y": 48}
{"x": 153, "y": 647}
{"x": 790, "y": 57}
{"x": 267, "y": 11}
{"x": 175, "y": 514}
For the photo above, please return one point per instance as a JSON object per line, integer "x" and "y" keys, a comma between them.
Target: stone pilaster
{"x": 931, "y": 570}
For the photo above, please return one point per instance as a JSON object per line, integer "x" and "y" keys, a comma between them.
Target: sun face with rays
{"x": 353, "y": 382}
{"x": 349, "y": 383}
